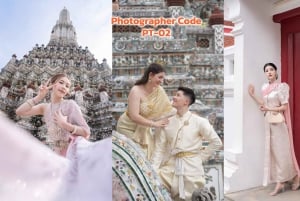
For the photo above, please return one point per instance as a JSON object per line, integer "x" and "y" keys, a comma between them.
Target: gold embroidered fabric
{"x": 156, "y": 105}
{"x": 59, "y": 146}
{"x": 179, "y": 153}
{"x": 278, "y": 161}
{"x": 58, "y": 139}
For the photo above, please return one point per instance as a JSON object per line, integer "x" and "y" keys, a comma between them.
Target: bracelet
{"x": 34, "y": 102}
{"x": 152, "y": 124}
{"x": 74, "y": 130}
{"x": 30, "y": 104}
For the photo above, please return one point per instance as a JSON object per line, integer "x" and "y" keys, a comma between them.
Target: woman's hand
{"x": 60, "y": 119}
{"x": 161, "y": 123}
{"x": 264, "y": 108}
{"x": 251, "y": 90}
{"x": 43, "y": 90}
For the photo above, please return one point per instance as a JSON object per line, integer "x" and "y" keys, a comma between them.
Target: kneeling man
{"x": 179, "y": 153}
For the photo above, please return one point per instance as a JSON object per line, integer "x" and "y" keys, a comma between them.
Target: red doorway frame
{"x": 290, "y": 32}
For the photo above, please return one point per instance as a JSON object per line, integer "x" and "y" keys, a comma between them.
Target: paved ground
{"x": 262, "y": 194}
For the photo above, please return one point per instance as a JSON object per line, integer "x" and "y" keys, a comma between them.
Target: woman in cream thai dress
{"x": 147, "y": 105}
{"x": 280, "y": 161}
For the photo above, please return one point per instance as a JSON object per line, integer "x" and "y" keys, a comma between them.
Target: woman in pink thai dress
{"x": 63, "y": 117}
{"x": 77, "y": 169}
{"x": 280, "y": 161}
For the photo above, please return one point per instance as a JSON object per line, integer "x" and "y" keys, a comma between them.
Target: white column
{"x": 219, "y": 38}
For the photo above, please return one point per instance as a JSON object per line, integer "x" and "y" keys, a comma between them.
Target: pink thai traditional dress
{"x": 59, "y": 139}
{"x": 280, "y": 161}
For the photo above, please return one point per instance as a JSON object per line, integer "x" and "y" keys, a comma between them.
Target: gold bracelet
{"x": 34, "y": 102}
{"x": 152, "y": 124}
{"x": 30, "y": 104}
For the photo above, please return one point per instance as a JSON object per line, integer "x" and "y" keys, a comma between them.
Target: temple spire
{"x": 63, "y": 32}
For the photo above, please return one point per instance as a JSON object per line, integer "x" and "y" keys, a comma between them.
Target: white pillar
{"x": 219, "y": 38}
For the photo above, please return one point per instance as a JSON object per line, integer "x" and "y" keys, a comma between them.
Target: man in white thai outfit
{"x": 179, "y": 153}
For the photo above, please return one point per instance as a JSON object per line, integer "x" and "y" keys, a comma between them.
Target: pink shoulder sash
{"x": 287, "y": 116}
{"x": 269, "y": 88}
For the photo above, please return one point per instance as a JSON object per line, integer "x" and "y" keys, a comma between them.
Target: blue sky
{"x": 26, "y": 23}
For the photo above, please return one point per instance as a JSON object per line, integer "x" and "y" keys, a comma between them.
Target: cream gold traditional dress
{"x": 179, "y": 153}
{"x": 280, "y": 162}
{"x": 155, "y": 106}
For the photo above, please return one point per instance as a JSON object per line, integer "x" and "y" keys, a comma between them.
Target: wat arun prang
{"x": 20, "y": 80}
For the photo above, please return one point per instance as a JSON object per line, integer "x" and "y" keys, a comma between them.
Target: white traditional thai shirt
{"x": 179, "y": 150}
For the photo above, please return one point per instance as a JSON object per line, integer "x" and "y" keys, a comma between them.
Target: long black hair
{"x": 154, "y": 68}
{"x": 270, "y": 64}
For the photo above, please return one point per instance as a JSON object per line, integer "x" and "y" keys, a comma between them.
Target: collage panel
{"x": 112, "y": 101}
{"x": 159, "y": 141}
{"x": 261, "y": 68}
{"x": 55, "y": 101}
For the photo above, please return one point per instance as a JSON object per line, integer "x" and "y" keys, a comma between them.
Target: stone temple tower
{"x": 63, "y": 33}
{"x": 193, "y": 56}
{"x": 91, "y": 80}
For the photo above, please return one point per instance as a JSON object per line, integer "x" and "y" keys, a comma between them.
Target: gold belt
{"x": 184, "y": 154}
{"x": 59, "y": 143}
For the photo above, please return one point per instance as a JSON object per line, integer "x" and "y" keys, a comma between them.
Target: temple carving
{"x": 192, "y": 56}
{"x": 91, "y": 80}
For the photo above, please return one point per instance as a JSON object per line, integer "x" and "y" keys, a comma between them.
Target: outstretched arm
{"x": 251, "y": 91}
{"x": 30, "y": 106}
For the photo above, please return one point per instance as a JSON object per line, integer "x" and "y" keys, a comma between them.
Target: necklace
{"x": 148, "y": 89}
